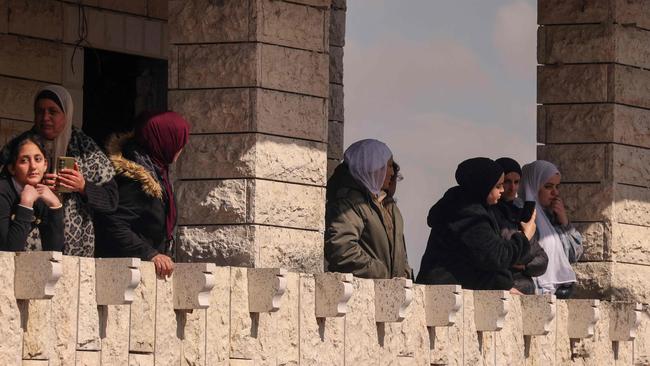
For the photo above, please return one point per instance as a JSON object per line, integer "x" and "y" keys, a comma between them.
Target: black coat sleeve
{"x": 14, "y": 231}
{"x": 539, "y": 262}
{"x": 102, "y": 198}
{"x": 486, "y": 248}
{"x": 125, "y": 241}
{"x": 51, "y": 227}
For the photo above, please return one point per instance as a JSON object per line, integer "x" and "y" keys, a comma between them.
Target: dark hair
{"x": 397, "y": 176}
{"x": 48, "y": 94}
{"x": 14, "y": 146}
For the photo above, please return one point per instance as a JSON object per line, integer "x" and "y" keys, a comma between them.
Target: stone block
{"x": 491, "y": 307}
{"x": 290, "y": 160}
{"x": 30, "y": 58}
{"x": 443, "y": 303}
{"x": 360, "y": 325}
{"x": 472, "y": 342}
{"x": 321, "y": 339}
{"x": 294, "y": 70}
{"x": 335, "y": 140}
{"x": 629, "y": 244}
{"x": 333, "y": 291}
{"x": 192, "y": 285}
{"x": 224, "y": 245}
{"x": 642, "y": 343}
{"x": 291, "y": 115}
{"x": 37, "y": 274}
{"x": 315, "y": 3}
{"x": 114, "y": 333}
{"x": 128, "y": 6}
{"x": 64, "y": 313}
{"x": 630, "y": 205}
{"x": 116, "y": 279}
{"x": 578, "y": 163}
{"x": 215, "y": 202}
{"x": 265, "y": 289}
{"x": 509, "y": 342}
{"x": 143, "y": 311}
{"x": 193, "y": 337}
{"x": 17, "y": 98}
{"x": 594, "y": 239}
{"x": 168, "y": 322}
{"x": 293, "y": 249}
{"x": 630, "y": 165}
{"x": 73, "y": 67}
{"x": 600, "y": 11}
{"x": 607, "y": 280}
{"x": 336, "y": 65}
{"x": 88, "y": 338}
{"x": 88, "y": 358}
{"x": 218, "y": 319}
{"x": 392, "y": 298}
{"x": 336, "y": 103}
{"x": 11, "y": 332}
{"x": 624, "y": 319}
{"x": 38, "y": 329}
{"x": 153, "y": 38}
{"x": 136, "y": 359}
{"x": 573, "y": 84}
{"x": 134, "y": 31}
{"x": 292, "y": 25}
{"x": 587, "y": 201}
{"x": 337, "y": 28}
{"x": 209, "y": 22}
{"x": 35, "y": 363}
{"x": 222, "y": 65}
{"x": 157, "y": 9}
{"x": 446, "y": 343}
{"x": 287, "y": 322}
{"x": 538, "y": 312}
{"x": 172, "y": 79}
{"x": 47, "y": 14}
{"x": 11, "y": 128}
{"x": 4, "y": 16}
{"x": 596, "y": 350}
{"x": 241, "y": 362}
{"x": 630, "y": 85}
{"x": 331, "y": 165}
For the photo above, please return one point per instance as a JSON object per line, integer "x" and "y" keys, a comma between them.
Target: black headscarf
{"x": 509, "y": 165}
{"x": 477, "y": 176}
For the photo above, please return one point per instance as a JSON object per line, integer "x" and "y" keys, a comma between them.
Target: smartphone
{"x": 527, "y": 211}
{"x": 63, "y": 162}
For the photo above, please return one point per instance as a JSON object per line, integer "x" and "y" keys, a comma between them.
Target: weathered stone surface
{"x": 193, "y": 337}
{"x": 360, "y": 326}
{"x": 333, "y": 291}
{"x": 297, "y": 250}
{"x": 37, "y": 274}
{"x": 630, "y": 86}
{"x": 288, "y": 205}
{"x": 578, "y": 163}
{"x": 642, "y": 343}
{"x": 88, "y": 321}
{"x": 321, "y": 340}
{"x": 218, "y": 320}
{"x": 73, "y": 68}
{"x": 490, "y": 308}
{"x": 35, "y": 363}
{"x": 446, "y": 343}
{"x": 594, "y": 238}
{"x": 17, "y": 98}
{"x": 607, "y": 280}
{"x": 472, "y": 347}
{"x": 290, "y": 160}
{"x": 587, "y": 202}
{"x": 337, "y": 28}
{"x": 624, "y": 318}
{"x": 541, "y": 349}
{"x": 88, "y": 358}
{"x": 316, "y": 3}
{"x": 583, "y": 314}
{"x": 38, "y": 337}
{"x": 215, "y": 202}
{"x": 331, "y": 165}
{"x": 443, "y": 305}
{"x": 509, "y": 341}
{"x": 292, "y": 25}
{"x": 335, "y": 140}
{"x": 596, "y": 350}
{"x": 153, "y": 38}
{"x": 631, "y": 204}
{"x": 12, "y": 128}
{"x": 339, "y": 4}
{"x": 537, "y": 313}
{"x": 392, "y": 299}
{"x": 64, "y": 313}
{"x": 231, "y": 245}
{"x": 336, "y": 105}
{"x": 287, "y": 320}
{"x": 134, "y": 28}
{"x": 47, "y": 14}
{"x": 136, "y": 359}
{"x": 30, "y": 58}
{"x": 572, "y": 84}
{"x": 157, "y": 9}
{"x": 4, "y": 16}
{"x": 116, "y": 279}
{"x": 143, "y": 311}
{"x": 629, "y": 244}
{"x": 600, "y": 11}
{"x": 294, "y": 70}
{"x": 336, "y": 65}
{"x": 115, "y": 334}
{"x": 168, "y": 343}
{"x": 172, "y": 77}
{"x": 193, "y": 283}
{"x": 266, "y": 287}
{"x": 209, "y": 22}
{"x": 220, "y": 65}
{"x": 129, "y": 6}
{"x": 291, "y": 115}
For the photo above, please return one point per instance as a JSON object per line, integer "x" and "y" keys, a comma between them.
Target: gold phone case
{"x": 63, "y": 162}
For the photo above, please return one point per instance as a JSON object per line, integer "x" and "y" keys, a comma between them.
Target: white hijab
{"x": 559, "y": 271}
{"x": 367, "y": 161}
{"x": 59, "y": 146}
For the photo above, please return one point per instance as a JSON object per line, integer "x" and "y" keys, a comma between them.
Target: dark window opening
{"x": 118, "y": 87}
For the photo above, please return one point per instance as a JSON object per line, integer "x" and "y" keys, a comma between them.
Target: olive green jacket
{"x": 361, "y": 236}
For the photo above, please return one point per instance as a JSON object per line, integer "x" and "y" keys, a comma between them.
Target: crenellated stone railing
{"x": 61, "y": 310}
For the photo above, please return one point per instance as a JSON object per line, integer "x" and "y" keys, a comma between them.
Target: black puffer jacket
{"x": 465, "y": 246}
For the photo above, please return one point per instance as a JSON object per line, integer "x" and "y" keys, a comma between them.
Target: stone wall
{"x": 594, "y": 122}
{"x": 60, "y": 310}
{"x": 37, "y": 47}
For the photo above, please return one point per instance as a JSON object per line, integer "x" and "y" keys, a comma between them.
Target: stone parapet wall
{"x": 84, "y": 311}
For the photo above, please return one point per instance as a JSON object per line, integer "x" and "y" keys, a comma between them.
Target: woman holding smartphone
{"x": 31, "y": 215}
{"x": 562, "y": 243}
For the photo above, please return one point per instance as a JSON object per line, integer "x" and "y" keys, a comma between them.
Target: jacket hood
{"x": 453, "y": 205}
{"x": 115, "y": 148}
{"x": 341, "y": 178}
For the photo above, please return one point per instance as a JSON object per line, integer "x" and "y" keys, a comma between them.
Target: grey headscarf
{"x": 367, "y": 160}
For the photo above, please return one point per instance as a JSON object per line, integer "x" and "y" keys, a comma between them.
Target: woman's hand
{"x": 514, "y": 291}
{"x": 529, "y": 227}
{"x": 560, "y": 212}
{"x": 72, "y": 179}
{"x": 28, "y": 196}
{"x": 49, "y": 179}
{"x": 519, "y": 267}
{"x": 164, "y": 265}
{"x": 46, "y": 194}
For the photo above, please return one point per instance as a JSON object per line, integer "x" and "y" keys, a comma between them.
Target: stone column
{"x": 335, "y": 115}
{"x": 594, "y": 121}
{"x": 252, "y": 78}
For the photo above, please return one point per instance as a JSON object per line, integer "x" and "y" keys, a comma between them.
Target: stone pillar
{"x": 336, "y": 115}
{"x": 252, "y": 78}
{"x": 594, "y": 121}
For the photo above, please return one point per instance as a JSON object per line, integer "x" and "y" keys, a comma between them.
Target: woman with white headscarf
{"x": 562, "y": 243}
{"x": 363, "y": 236}
{"x": 90, "y": 187}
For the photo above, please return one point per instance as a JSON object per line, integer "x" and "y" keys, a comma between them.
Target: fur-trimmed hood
{"x": 130, "y": 169}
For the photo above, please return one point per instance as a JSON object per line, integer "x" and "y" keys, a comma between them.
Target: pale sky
{"x": 440, "y": 81}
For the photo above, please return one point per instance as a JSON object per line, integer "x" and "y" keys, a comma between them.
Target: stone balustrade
{"x": 61, "y": 310}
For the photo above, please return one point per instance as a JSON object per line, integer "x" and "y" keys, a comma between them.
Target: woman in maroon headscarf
{"x": 144, "y": 224}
